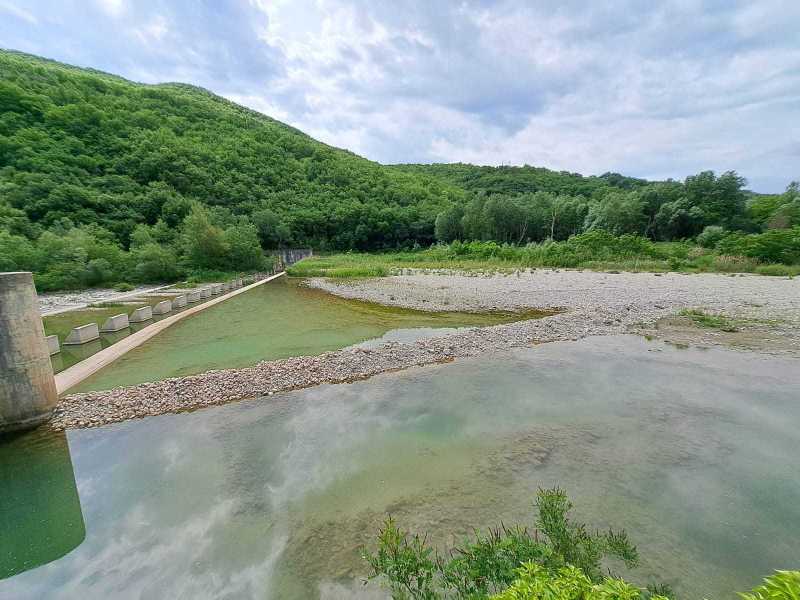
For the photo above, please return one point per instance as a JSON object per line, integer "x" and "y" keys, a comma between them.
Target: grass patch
{"x": 779, "y": 270}
{"x": 597, "y": 251}
{"x": 704, "y": 319}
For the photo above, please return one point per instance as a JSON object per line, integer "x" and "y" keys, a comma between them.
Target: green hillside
{"x": 96, "y": 148}
{"x": 104, "y": 180}
{"x": 524, "y": 180}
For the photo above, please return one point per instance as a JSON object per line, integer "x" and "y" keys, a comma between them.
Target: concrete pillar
{"x": 27, "y": 388}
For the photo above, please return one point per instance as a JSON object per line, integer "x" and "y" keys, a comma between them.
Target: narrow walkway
{"x": 72, "y": 376}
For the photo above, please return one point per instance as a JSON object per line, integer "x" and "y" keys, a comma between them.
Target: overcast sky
{"x": 650, "y": 89}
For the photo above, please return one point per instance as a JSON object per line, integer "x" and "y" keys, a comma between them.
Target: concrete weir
{"x": 72, "y": 376}
{"x": 82, "y": 334}
{"x": 27, "y": 388}
{"x": 163, "y": 307}
{"x": 115, "y": 323}
{"x": 52, "y": 344}
{"x": 140, "y": 315}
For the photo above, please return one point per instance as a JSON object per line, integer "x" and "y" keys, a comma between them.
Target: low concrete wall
{"x": 288, "y": 256}
{"x": 52, "y": 344}
{"x": 82, "y": 334}
{"x": 140, "y": 315}
{"x": 193, "y": 296}
{"x": 115, "y": 323}
{"x": 27, "y": 388}
{"x": 162, "y": 308}
{"x": 179, "y": 301}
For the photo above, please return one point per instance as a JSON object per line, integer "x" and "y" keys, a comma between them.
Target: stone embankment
{"x": 593, "y": 304}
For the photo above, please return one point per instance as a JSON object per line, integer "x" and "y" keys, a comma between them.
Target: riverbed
{"x": 689, "y": 450}
{"x": 279, "y": 320}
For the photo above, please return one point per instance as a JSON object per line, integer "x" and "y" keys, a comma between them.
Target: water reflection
{"x": 40, "y": 511}
{"x": 690, "y": 451}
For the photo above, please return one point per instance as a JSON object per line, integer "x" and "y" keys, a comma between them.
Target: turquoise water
{"x": 693, "y": 452}
{"x": 276, "y": 320}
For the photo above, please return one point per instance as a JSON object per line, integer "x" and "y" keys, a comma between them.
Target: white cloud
{"x": 114, "y": 8}
{"x": 646, "y": 91}
{"x": 16, "y": 11}
{"x": 153, "y": 31}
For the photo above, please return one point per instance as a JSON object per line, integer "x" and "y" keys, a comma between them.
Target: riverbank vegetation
{"x": 103, "y": 180}
{"x": 559, "y": 559}
{"x": 597, "y": 250}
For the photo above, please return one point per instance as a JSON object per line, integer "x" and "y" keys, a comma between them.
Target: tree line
{"x": 102, "y": 179}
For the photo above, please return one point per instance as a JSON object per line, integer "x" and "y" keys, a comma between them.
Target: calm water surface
{"x": 273, "y": 321}
{"x": 693, "y": 452}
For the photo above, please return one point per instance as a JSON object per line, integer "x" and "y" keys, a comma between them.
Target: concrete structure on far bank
{"x": 27, "y": 387}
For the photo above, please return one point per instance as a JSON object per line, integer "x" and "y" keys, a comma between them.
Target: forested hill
{"x": 511, "y": 180}
{"x": 96, "y": 148}
{"x": 103, "y": 179}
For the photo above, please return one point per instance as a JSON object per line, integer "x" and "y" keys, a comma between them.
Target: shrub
{"x": 154, "y": 262}
{"x": 782, "y": 585}
{"x": 98, "y": 271}
{"x": 567, "y": 583}
{"x": 413, "y": 569}
{"x": 711, "y": 236}
{"x": 734, "y": 264}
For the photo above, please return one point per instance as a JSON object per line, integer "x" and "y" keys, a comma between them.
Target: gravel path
{"x": 593, "y": 304}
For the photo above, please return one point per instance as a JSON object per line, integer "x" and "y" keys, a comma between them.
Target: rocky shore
{"x": 593, "y": 304}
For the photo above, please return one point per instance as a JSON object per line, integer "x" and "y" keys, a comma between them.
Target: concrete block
{"x": 162, "y": 307}
{"x": 216, "y": 289}
{"x": 115, "y": 323}
{"x": 205, "y": 292}
{"x": 82, "y": 334}
{"x": 179, "y": 301}
{"x": 193, "y": 296}
{"x": 52, "y": 344}
{"x": 141, "y": 314}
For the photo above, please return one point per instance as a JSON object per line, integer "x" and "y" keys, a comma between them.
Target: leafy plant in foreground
{"x": 488, "y": 564}
{"x": 782, "y": 585}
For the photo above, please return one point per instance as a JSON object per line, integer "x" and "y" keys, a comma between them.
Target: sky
{"x": 648, "y": 89}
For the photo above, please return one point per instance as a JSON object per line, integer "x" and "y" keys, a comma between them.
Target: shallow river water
{"x": 693, "y": 452}
{"x": 273, "y": 321}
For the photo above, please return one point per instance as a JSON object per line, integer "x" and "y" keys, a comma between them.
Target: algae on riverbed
{"x": 278, "y": 320}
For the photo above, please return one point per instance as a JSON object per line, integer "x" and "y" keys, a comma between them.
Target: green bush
{"x": 488, "y": 564}
{"x": 710, "y": 236}
{"x": 781, "y": 585}
{"x": 567, "y": 583}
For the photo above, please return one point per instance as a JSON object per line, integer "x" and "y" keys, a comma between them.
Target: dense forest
{"x": 105, "y": 180}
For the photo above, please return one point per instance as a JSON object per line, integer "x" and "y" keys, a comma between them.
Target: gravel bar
{"x": 592, "y": 303}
